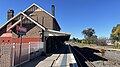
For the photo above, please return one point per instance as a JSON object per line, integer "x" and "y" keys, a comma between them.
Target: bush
{"x": 101, "y": 42}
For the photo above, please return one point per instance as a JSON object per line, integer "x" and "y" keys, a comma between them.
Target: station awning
{"x": 63, "y": 36}
{"x": 55, "y": 33}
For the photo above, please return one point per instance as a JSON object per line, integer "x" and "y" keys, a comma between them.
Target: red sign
{"x": 22, "y": 29}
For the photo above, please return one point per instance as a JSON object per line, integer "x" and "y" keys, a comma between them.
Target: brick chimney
{"x": 53, "y": 10}
{"x": 10, "y": 14}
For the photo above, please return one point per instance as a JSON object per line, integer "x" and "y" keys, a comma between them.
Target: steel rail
{"x": 78, "y": 60}
{"x": 91, "y": 65}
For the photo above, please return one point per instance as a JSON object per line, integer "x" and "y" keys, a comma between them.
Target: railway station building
{"x": 34, "y": 24}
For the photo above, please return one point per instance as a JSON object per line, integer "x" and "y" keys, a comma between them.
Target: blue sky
{"x": 73, "y": 15}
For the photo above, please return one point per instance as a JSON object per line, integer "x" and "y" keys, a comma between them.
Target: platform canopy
{"x": 62, "y": 36}
{"x": 55, "y": 33}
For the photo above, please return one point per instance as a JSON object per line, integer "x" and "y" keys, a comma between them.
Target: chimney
{"x": 53, "y": 10}
{"x": 10, "y": 14}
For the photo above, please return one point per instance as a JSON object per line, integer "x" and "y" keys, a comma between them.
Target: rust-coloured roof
{"x": 6, "y": 35}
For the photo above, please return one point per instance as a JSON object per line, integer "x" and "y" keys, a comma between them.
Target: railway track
{"x": 82, "y": 61}
{"x": 90, "y": 57}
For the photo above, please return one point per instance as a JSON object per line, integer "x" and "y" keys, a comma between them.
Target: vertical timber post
{"x": 43, "y": 38}
{"x": 29, "y": 51}
{"x": 44, "y": 46}
{"x": 13, "y": 54}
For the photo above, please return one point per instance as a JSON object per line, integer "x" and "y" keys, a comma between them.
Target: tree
{"x": 77, "y": 40}
{"x": 116, "y": 33}
{"x": 114, "y": 37}
{"x": 74, "y": 39}
{"x": 93, "y": 39}
{"x": 89, "y": 34}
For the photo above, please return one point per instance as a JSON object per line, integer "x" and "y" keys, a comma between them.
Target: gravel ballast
{"x": 113, "y": 59}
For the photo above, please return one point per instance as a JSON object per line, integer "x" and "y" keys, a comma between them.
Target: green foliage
{"x": 89, "y": 36}
{"x": 93, "y": 39}
{"x": 115, "y": 35}
{"x": 88, "y": 33}
{"x": 74, "y": 39}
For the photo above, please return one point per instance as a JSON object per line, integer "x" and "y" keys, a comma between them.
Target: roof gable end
{"x": 24, "y": 12}
{"x": 39, "y": 8}
{"x": 29, "y": 18}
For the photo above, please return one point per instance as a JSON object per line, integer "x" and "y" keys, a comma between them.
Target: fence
{"x": 5, "y": 55}
{"x": 9, "y": 53}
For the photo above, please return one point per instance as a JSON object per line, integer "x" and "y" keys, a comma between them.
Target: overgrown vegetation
{"x": 101, "y": 41}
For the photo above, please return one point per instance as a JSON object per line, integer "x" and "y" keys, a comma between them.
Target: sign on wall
{"x": 21, "y": 29}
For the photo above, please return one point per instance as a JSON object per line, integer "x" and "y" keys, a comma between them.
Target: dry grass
{"x": 109, "y": 47}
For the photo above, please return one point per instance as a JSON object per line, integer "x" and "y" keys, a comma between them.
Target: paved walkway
{"x": 62, "y": 58}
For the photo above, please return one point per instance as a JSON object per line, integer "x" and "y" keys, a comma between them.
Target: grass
{"x": 94, "y": 45}
{"x": 81, "y": 44}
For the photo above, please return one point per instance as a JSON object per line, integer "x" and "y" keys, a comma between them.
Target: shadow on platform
{"x": 63, "y": 49}
{"x": 35, "y": 61}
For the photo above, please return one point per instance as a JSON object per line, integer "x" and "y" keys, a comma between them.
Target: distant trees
{"x": 75, "y": 40}
{"x": 89, "y": 35}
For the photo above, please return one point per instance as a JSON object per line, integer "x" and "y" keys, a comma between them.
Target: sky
{"x": 73, "y": 16}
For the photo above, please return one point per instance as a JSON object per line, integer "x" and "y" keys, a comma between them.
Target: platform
{"x": 62, "y": 57}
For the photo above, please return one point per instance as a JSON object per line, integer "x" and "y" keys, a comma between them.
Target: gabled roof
{"x": 41, "y": 26}
{"x": 39, "y": 8}
{"x": 25, "y": 11}
{"x": 9, "y": 20}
